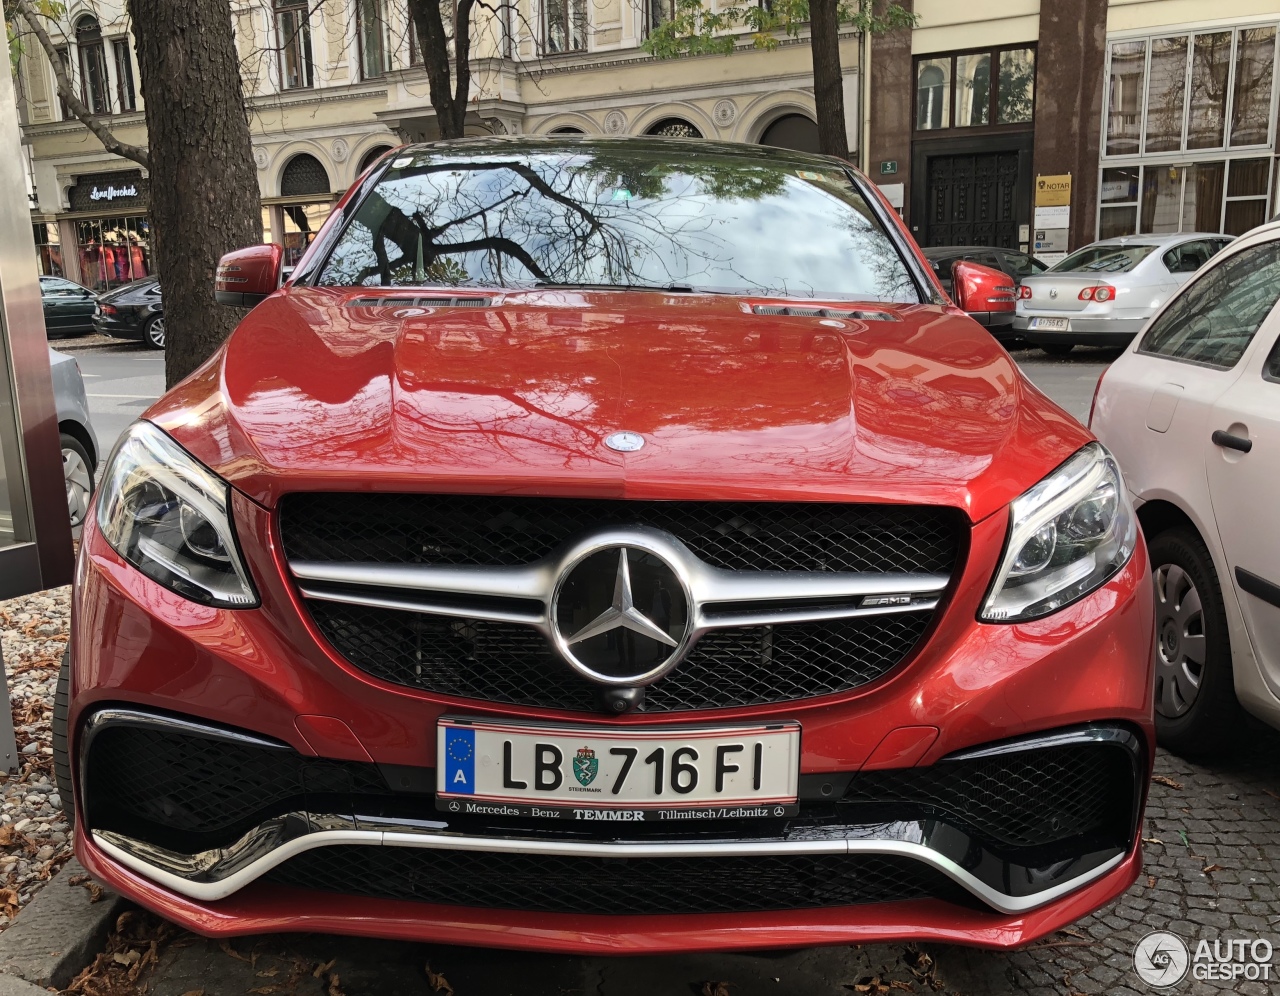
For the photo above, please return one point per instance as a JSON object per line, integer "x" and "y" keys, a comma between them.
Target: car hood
{"x": 317, "y": 390}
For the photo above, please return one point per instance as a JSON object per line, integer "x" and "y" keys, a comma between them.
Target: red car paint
{"x": 310, "y": 394}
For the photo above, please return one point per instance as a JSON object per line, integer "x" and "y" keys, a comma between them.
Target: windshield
{"x": 680, "y": 219}
{"x": 1103, "y": 259}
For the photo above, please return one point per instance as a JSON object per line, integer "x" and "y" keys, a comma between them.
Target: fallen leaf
{"x": 265, "y": 990}
{"x": 1151, "y": 881}
{"x": 1166, "y": 781}
{"x": 321, "y": 969}
{"x": 1183, "y": 835}
{"x": 334, "y": 988}
{"x": 438, "y": 983}
{"x": 227, "y": 949}
{"x": 715, "y": 988}
{"x": 905, "y": 987}
{"x": 194, "y": 992}
{"x": 269, "y": 973}
{"x": 1210, "y": 869}
{"x": 128, "y": 957}
{"x": 1152, "y": 840}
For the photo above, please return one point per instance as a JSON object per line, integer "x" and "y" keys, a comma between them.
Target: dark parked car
{"x": 68, "y": 307}
{"x": 1016, "y": 264}
{"x": 134, "y": 311}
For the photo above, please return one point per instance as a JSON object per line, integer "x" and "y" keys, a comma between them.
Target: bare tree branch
{"x": 68, "y": 94}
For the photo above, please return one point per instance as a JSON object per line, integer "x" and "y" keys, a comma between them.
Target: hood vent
{"x": 793, "y": 312}
{"x": 407, "y": 301}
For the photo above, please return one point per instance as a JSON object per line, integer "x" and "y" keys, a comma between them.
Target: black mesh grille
{"x": 499, "y": 662}
{"x": 505, "y": 531}
{"x": 145, "y": 777}
{"x": 1023, "y": 799}
{"x": 556, "y": 884}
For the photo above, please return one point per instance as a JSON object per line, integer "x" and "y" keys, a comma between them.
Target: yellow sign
{"x": 1053, "y": 191}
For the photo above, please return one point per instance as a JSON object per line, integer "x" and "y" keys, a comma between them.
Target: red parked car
{"x": 617, "y": 546}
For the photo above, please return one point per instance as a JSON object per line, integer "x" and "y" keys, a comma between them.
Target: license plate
{"x": 1051, "y": 324}
{"x": 588, "y": 773}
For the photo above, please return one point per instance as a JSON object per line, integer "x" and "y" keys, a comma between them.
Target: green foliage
{"x": 51, "y": 9}
{"x": 694, "y": 28}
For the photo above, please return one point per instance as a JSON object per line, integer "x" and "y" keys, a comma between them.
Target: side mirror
{"x": 248, "y": 276}
{"x": 980, "y": 289}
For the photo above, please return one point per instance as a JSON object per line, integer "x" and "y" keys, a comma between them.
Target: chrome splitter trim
{"x": 215, "y": 874}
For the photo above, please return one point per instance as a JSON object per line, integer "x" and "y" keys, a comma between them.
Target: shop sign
{"x": 109, "y": 192}
{"x": 1053, "y": 190}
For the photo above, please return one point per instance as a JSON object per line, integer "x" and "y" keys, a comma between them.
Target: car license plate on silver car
{"x": 588, "y": 773}
{"x": 1051, "y": 324}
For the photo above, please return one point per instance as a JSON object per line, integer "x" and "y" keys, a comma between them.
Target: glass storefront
{"x": 1189, "y": 137}
{"x": 113, "y": 251}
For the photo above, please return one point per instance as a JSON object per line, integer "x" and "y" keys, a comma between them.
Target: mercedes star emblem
{"x": 620, "y": 616}
{"x": 624, "y": 442}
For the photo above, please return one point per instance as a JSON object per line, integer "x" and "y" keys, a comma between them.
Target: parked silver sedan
{"x": 1103, "y": 294}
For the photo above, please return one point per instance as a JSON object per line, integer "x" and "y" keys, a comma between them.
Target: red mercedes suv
{"x": 610, "y": 545}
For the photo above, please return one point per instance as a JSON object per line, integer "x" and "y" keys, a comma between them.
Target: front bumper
{"x": 909, "y": 871}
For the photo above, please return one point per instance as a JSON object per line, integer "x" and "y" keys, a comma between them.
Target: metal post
{"x": 8, "y": 742}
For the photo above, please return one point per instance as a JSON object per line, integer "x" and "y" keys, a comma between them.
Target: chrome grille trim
{"x": 767, "y": 598}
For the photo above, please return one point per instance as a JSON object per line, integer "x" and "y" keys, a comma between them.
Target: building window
{"x": 674, "y": 128}
{"x": 1173, "y": 93}
{"x": 48, "y": 248}
{"x": 294, "y": 38}
{"x": 1228, "y": 196}
{"x": 566, "y": 26}
{"x": 371, "y": 157}
{"x": 125, "y": 94}
{"x": 113, "y": 251}
{"x": 975, "y": 89}
{"x": 93, "y": 66}
{"x": 306, "y": 180}
{"x": 660, "y": 11}
{"x": 448, "y": 17}
{"x": 371, "y": 32}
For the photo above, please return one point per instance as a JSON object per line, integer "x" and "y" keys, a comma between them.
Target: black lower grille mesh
{"x": 501, "y": 662}
{"x": 499, "y": 530}
{"x": 1022, "y": 799}
{"x": 139, "y": 778}
{"x": 558, "y": 884}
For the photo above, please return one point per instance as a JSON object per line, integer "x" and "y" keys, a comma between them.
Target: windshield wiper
{"x": 673, "y": 288}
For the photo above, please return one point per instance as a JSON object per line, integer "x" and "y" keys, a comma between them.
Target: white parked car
{"x": 1103, "y": 294}
{"x": 1192, "y": 412}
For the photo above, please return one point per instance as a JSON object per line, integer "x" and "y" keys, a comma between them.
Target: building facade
{"x": 1002, "y": 122}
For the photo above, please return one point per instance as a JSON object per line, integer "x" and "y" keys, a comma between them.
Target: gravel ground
{"x": 34, "y": 837}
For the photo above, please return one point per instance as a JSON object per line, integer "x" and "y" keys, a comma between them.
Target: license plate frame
{"x": 488, "y": 768}
{"x": 1051, "y": 324}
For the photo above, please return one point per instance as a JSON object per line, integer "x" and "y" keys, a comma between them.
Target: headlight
{"x": 1067, "y": 536}
{"x": 166, "y": 514}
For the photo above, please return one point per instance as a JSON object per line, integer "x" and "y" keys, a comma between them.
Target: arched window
{"x": 792, "y": 131}
{"x": 303, "y": 175}
{"x": 567, "y": 130}
{"x": 933, "y": 92}
{"x": 94, "y": 90}
{"x": 372, "y": 155}
{"x": 674, "y": 128}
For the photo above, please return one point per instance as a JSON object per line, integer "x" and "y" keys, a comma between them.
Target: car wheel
{"x": 61, "y": 759}
{"x": 1058, "y": 348}
{"x": 77, "y": 473}
{"x": 153, "y": 334}
{"x": 1195, "y": 700}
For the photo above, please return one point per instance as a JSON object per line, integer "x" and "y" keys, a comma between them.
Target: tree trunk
{"x": 204, "y": 188}
{"x": 828, "y": 88}
{"x": 450, "y": 108}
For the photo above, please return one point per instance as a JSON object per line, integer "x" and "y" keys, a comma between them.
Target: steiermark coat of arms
{"x": 585, "y": 765}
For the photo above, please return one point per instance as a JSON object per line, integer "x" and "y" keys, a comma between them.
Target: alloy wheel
{"x": 155, "y": 332}
{"x": 75, "y": 472}
{"x": 1180, "y": 641}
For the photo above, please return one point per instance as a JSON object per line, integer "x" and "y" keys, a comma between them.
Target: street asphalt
{"x": 1212, "y": 854}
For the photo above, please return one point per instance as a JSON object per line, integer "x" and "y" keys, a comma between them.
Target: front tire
{"x": 62, "y": 759}
{"x": 153, "y": 333}
{"x": 77, "y": 474}
{"x": 1197, "y": 713}
{"x": 1057, "y": 348}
